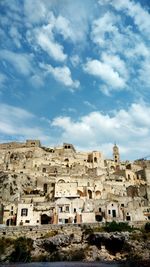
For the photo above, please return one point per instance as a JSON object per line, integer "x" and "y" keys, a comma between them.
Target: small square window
{"x": 24, "y": 212}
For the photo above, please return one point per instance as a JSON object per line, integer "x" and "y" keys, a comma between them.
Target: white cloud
{"x": 144, "y": 72}
{"x": 62, "y": 74}
{"x": 16, "y": 36}
{"x": 19, "y": 123}
{"x": 63, "y": 27}
{"x": 75, "y": 60}
{"x": 35, "y": 11}
{"x": 54, "y": 49}
{"x": 116, "y": 63}
{"x": 105, "y": 72}
{"x": 129, "y": 128}
{"x": 37, "y": 80}
{"x": 105, "y": 24}
{"x": 140, "y": 15}
{"x": 44, "y": 38}
{"x": 24, "y": 64}
{"x": 21, "y": 62}
{"x": 79, "y": 14}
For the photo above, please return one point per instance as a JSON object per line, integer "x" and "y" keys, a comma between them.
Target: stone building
{"x": 41, "y": 185}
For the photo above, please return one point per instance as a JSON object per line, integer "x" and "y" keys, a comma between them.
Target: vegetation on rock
{"x": 117, "y": 227}
{"x": 22, "y": 250}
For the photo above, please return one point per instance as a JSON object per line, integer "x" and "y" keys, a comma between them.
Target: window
{"x": 109, "y": 211}
{"x": 128, "y": 218}
{"x": 74, "y": 210}
{"x": 45, "y": 188}
{"x": 24, "y": 212}
{"x": 27, "y": 221}
{"x": 60, "y": 209}
{"x": 44, "y": 169}
{"x": 122, "y": 205}
{"x": 114, "y": 213}
{"x": 100, "y": 209}
{"x": 67, "y": 208}
{"x": 95, "y": 159}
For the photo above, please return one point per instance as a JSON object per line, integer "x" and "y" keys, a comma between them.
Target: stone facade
{"x": 41, "y": 185}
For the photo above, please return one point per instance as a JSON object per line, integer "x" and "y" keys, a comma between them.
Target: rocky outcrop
{"x": 92, "y": 246}
{"x": 96, "y": 247}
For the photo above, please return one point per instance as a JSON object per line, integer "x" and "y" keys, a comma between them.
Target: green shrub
{"x": 22, "y": 250}
{"x": 117, "y": 227}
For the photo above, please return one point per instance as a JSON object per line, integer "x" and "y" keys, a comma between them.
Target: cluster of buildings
{"x": 41, "y": 185}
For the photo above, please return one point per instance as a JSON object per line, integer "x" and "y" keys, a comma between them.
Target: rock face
{"x": 96, "y": 247}
{"x": 80, "y": 245}
{"x": 54, "y": 243}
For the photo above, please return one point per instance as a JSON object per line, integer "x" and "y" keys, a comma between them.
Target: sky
{"x": 76, "y": 72}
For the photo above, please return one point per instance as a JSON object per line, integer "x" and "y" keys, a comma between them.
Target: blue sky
{"x": 77, "y": 72}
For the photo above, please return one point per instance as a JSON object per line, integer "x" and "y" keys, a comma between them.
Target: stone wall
{"x": 39, "y": 231}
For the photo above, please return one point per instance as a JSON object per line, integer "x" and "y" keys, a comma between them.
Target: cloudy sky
{"x": 77, "y": 72}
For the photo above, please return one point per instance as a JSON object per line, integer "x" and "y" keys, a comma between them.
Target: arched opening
{"x": 90, "y": 194}
{"x": 80, "y": 193}
{"x": 95, "y": 159}
{"x": 112, "y": 168}
{"x": 98, "y": 218}
{"x": 97, "y": 194}
{"x": 61, "y": 181}
{"x": 45, "y": 219}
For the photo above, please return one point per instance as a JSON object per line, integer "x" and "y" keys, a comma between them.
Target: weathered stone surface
{"x": 100, "y": 246}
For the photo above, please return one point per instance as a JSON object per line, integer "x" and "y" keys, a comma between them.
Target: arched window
{"x": 90, "y": 194}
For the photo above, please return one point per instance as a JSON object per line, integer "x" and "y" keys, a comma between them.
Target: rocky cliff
{"x": 80, "y": 245}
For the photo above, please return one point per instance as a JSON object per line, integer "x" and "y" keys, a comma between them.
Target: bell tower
{"x": 116, "y": 155}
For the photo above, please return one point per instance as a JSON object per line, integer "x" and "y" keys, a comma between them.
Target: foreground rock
{"x": 83, "y": 246}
